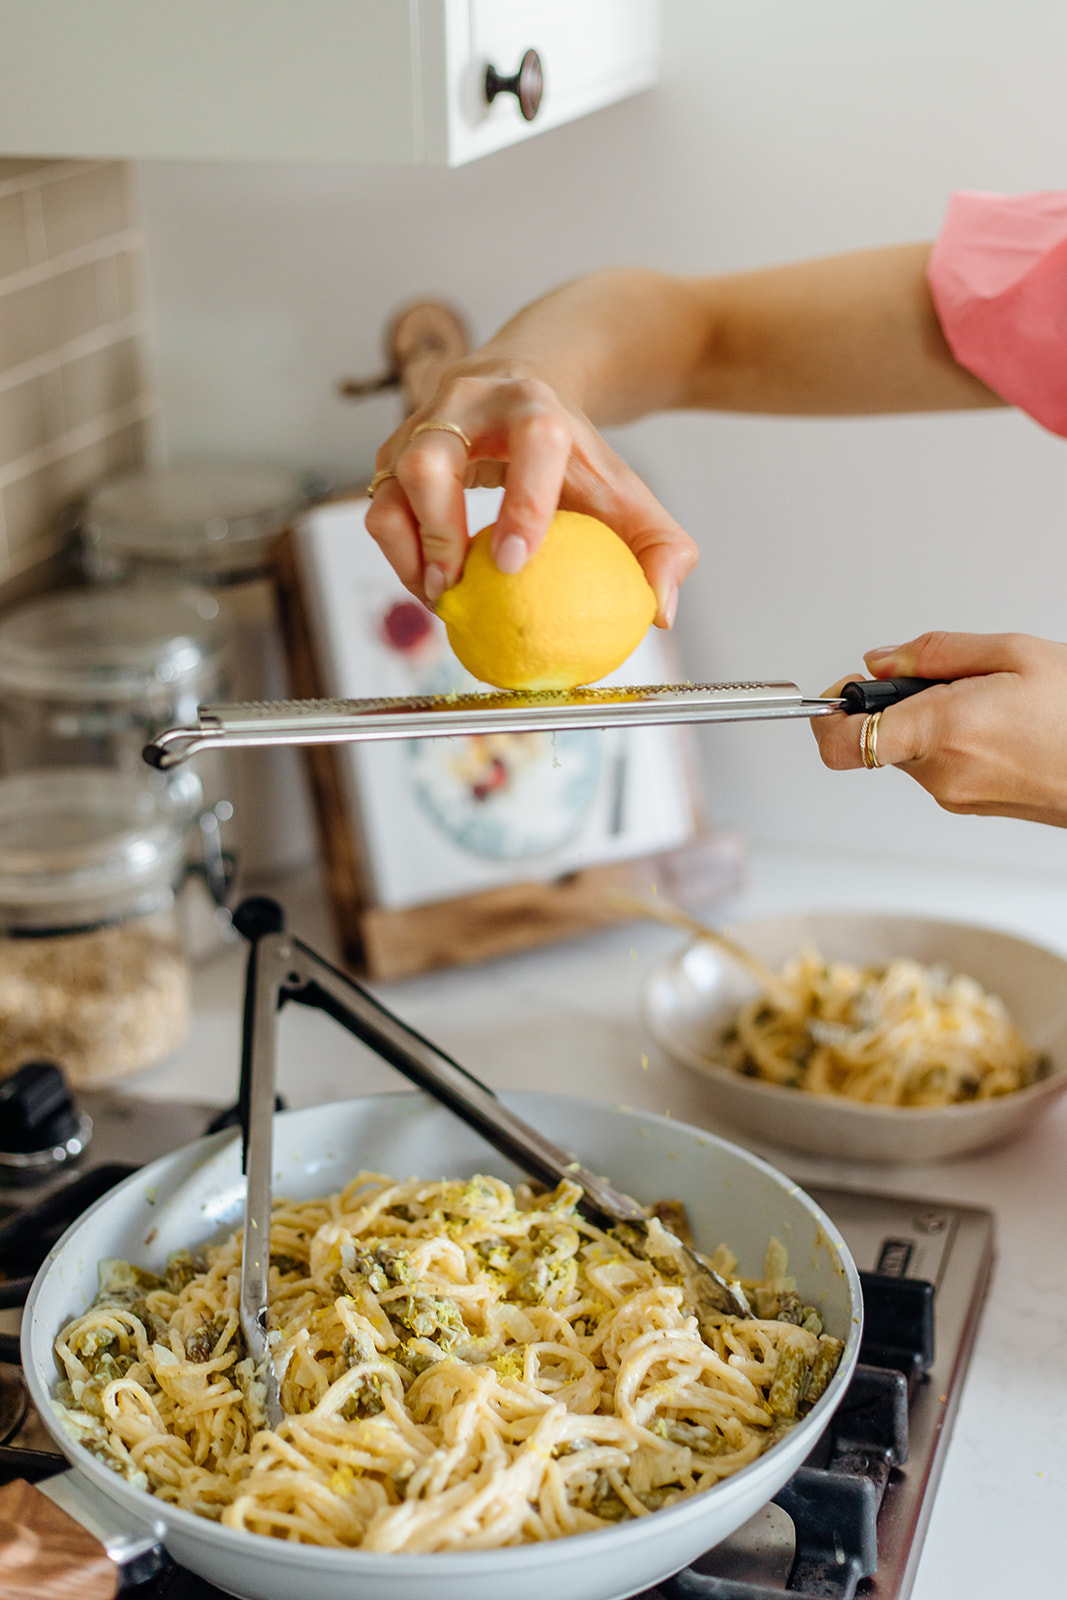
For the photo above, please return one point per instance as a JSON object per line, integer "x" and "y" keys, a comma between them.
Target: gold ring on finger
{"x": 869, "y": 740}
{"x": 442, "y": 427}
{"x": 378, "y": 479}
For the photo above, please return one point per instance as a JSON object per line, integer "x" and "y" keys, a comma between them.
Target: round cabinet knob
{"x": 527, "y": 85}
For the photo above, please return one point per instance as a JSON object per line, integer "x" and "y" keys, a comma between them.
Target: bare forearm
{"x": 617, "y": 344}
{"x": 844, "y": 335}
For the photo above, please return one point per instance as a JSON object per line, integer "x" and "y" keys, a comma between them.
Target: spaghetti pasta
{"x": 903, "y": 1035}
{"x": 461, "y": 1365}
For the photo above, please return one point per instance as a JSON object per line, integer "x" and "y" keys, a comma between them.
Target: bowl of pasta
{"x": 484, "y": 1394}
{"x": 875, "y": 1037}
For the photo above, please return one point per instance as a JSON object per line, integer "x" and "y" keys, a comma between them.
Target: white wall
{"x": 781, "y": 129}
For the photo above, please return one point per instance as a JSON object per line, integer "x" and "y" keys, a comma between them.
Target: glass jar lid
{"x": 207, "y": 519}
{"x": 126, "y": 644}
{"x": 81, "y": 846}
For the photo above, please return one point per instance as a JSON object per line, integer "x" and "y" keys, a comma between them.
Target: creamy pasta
{"x": 903, "y": 1035}
{"x": 461, "y": 1365}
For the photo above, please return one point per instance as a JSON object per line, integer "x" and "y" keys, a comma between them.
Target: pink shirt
{"x": 998, "y": 276}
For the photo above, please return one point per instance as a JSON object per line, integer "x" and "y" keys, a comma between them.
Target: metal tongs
{"x": 268, "y": 722}
{"x": 282, "y": 968}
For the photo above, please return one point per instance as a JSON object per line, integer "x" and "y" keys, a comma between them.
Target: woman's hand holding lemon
{"x": 812, "y": 339}
{"x": 546, "y": 454}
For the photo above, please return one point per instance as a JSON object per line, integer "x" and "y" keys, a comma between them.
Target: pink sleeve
{"x": 998, "y": 276}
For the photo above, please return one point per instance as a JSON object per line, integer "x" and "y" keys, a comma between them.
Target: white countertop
{"x": 567, "y": 1019}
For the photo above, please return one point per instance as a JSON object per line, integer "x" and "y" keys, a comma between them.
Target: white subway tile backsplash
{"x": 74, "y": 391}
{"x": 130, "y": 275}
{"x": 120, "y": 444}
{"x": 103, "y": 381}
{"x": 29, "y": 417}
{"x": 30, "y": 507}
{"x": 33, "y": 503}
{"x": 22, "y": 169}
{"x": 14, "y": 239}
{"x": 45, "y": 316}
{"x": 89, "y": 205}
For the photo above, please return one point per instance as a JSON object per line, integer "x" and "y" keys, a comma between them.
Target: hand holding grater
{"x": 267, "y": 722}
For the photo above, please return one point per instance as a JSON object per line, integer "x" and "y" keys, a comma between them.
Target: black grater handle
{"x": 874, "y": 694}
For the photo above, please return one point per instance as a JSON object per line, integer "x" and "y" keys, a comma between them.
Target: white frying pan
{"x": 197, "y": 1193}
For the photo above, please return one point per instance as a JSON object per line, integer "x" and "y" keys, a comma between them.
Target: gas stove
{"x": 850, "y": 1522}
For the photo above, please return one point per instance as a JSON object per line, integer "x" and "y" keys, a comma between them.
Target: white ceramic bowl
{"x": 692, "y": 996}
{"x": 198, "y": 1191}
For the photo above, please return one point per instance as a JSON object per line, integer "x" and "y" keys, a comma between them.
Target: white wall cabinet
{"x": 369, "y": 81}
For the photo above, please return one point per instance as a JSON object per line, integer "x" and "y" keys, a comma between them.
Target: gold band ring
{"x": 869, "y": 740}
{"x": 378, "y": 479}
{"x": 442, "y": 427}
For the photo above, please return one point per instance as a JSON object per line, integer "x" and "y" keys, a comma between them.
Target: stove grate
{"x": 833, "y": 1508}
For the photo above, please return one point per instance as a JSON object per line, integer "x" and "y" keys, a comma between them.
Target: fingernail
{"x": 512, "y": 555}
{"x": 434, "y": 582}
{"x": 883, "y": 653}
{"x": 670, "y": 607}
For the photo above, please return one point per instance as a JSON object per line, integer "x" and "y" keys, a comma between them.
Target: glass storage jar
{"x": 217, "y": 523}
{"x": 93, "y": 974}
{"x": 88, "y": 676}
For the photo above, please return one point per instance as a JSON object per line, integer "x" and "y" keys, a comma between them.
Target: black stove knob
{"x": 37, "y": 1110}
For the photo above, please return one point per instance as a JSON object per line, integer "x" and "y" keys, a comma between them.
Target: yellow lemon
{"x": 577, "y": 609}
